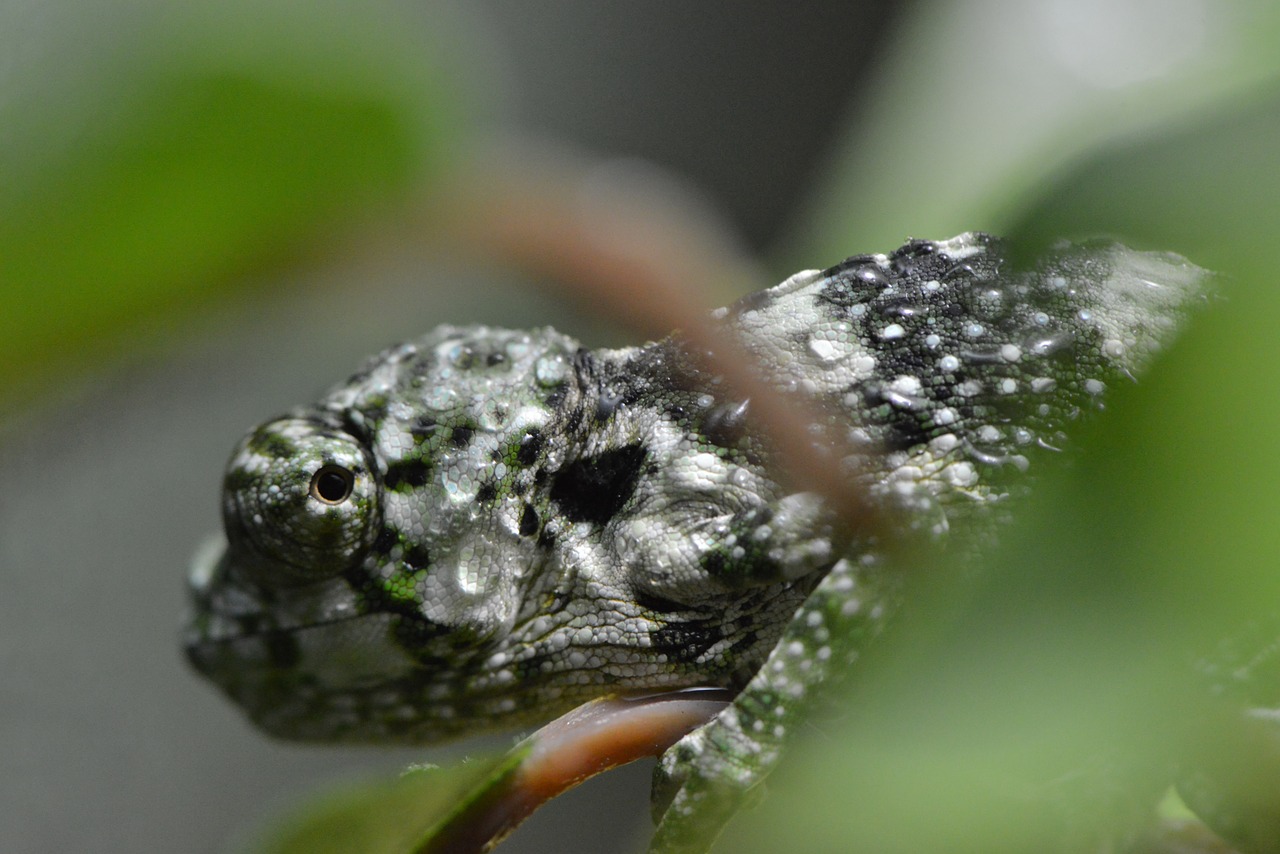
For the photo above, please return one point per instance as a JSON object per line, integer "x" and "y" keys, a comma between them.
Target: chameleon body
{"x": 484, "y": 528}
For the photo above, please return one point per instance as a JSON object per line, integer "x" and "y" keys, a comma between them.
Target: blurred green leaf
{"x": 390, "y": 816}
{"x": 208, "y": 140}
{"x": 1044, "y": 706}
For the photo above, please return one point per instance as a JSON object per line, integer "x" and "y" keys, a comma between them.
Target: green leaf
{"x": 1045, "y": 706}
{"x": 389, "y": 817}
{"x": 164, "y": 158}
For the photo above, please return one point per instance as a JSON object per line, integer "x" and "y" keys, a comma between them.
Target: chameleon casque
{"x": 483, "y": 528}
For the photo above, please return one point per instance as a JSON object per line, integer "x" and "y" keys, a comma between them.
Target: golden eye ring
{"x": 332, "y": 484}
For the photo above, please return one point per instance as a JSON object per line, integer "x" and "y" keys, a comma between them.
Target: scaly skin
{"x": 484, "y": 528}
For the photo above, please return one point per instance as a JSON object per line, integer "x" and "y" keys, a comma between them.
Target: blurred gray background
{"x": 107, "y": 741}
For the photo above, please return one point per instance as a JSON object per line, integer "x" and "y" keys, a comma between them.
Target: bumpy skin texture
{"x": 484, "y": 528}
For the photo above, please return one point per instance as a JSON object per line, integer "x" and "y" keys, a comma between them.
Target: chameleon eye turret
{"x": 303, "y": 500}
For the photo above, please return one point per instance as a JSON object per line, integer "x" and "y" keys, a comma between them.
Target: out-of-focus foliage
{"x": 389, "y": 816}
{"x": 152, "y": 150}
{"x": 1046, "y": 710}
{"x": 1053, "y": 704}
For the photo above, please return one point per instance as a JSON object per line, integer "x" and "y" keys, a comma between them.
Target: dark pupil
{"x": 332, "y": 484}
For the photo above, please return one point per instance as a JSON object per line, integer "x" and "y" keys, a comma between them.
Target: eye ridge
{"x": 332, "y": 484}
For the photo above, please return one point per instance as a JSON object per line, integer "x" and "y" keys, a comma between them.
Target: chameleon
{"x": 483, "y": 528}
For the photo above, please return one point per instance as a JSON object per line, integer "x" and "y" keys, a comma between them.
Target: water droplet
{"x": 864, "y": 365}
{"x": 907, "y": 384}
{"x": 1043, "y": 384}
{"x": 441, "y": 399}
{"x": 831, "y": 349}
{"x": 1049, "y": 345}
{"x": 900, "y": 401}
{"x": 900, "y": 307}
{"x": 871, "y": 274}
{"x": 550, "y": 370}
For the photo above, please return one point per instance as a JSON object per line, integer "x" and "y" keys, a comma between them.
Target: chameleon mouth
{"x": 225, "y": 608}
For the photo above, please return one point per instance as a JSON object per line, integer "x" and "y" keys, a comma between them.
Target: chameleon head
{"x": 378, "y": 544}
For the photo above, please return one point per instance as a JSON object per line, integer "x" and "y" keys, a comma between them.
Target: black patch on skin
{"x": 486, "y": 492}
{"x": 385, "y": 542}
{"x": 686, "y": 642}
{"x": 461, "y": 436}
{"x": 530, "y": 446}
{"x": 412, "y": 473}
{"x": 594, "y": 489}
{"x": 528, "y": 521}
{"x": 418, "y": 556}
{"x": 546, "y": 539}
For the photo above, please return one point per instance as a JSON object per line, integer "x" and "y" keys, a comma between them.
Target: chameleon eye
{"x": 303, "y": 497}
{"x": 332, "y": 484}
